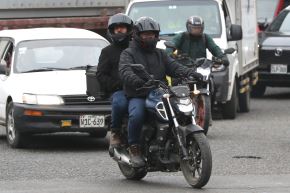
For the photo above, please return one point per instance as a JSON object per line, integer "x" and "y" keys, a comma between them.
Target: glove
{"x": 225, "y": 61}
{"x": 138, "y": 82}
{"x": 196, "y": 75}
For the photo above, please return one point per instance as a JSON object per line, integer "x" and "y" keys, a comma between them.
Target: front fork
{"x": 180, "y": 137}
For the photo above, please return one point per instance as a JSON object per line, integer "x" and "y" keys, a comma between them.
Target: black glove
{"x": 138, "y": 82}
{"x": 225, "y": 61}
{"x": 196, "y": 75}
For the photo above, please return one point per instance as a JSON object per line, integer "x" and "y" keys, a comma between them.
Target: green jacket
{"x": 196, "y": 47}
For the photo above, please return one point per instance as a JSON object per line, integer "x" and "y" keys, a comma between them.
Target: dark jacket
{"x": 196, "y": 47}
{"x": 157, "y": 63}
{"x": 108, "y": 68}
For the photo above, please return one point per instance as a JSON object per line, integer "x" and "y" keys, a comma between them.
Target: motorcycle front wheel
{"x": 197, "y": 169}
{"x": 203, "y": 114}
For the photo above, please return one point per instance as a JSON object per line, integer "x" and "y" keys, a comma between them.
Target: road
{"x": 251, "y": 154}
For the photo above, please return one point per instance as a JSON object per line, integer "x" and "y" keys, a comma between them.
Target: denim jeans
{"x": 136, "y": 119}
{"x": 119, "y": 110}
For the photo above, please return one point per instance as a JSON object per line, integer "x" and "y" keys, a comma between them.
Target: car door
{"x": 6, "y": 51}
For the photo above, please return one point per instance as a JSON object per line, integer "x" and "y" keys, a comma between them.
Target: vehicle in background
{"x": 223, "y": 21}
{"x": 43, "y": 86}
{"x": 91, "y": 15}
{"x": 267, "y": 10}
{"x": 274, "y": 52}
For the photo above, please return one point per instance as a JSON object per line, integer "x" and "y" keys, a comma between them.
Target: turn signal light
{"x": 33, "y": 113}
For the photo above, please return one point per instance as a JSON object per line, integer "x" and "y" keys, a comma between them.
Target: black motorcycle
{"x": 170, "y": 140}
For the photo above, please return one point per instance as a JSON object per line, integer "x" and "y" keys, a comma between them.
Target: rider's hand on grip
{"x": 196, "y": 75}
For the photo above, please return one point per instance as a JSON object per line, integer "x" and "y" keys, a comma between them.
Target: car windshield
{"x": 60, "y": 54}
{"x": 281, "y": 23}
{"x": 266, "y": 10}
{"x": 172, "y": 15}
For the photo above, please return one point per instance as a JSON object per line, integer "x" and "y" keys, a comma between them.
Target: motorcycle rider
{"x": 194, "y": 41}
{"x": 120, "y": 31}
{"x": 142, "y": 50}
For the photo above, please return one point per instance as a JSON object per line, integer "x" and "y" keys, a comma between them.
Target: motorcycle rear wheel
{"x": 197, "y": 170}
{"x": 132, "y": 173}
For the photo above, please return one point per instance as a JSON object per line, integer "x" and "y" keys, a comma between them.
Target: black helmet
{"x": 195, "y": 22}
{"x": 145, "y": 24}
{"x": 120, "y": 19}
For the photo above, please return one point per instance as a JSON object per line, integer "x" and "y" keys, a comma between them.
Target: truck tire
{"x": 15, "y": 139}
{"x": 229, "y": 109}
{"x": 244, "y": 102}
{"x": 258, "y": 90}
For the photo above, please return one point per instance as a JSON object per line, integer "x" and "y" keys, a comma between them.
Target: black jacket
{"x": 157, "y": 63}
{"x": 107, "y": 70}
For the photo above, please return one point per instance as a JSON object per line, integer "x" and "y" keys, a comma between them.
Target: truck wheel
{"x": 15, "y": 139}
{"x": 229, "y": 109}
{"x": 244, "y": 102}
{"x": 258, "y": 90}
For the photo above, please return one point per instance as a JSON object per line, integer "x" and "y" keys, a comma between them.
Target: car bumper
{"x": 274, "y": 80}
{"x": 57, "y": 118}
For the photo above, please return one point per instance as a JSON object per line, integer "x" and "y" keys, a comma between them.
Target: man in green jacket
{"x": 194, "y": 42}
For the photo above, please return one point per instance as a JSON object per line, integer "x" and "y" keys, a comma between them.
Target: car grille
{"x": 267, "y": 57}
{"x": 83, "y": 100}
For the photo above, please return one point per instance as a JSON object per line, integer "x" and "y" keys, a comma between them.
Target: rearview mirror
{"x": 236, "y": 33}
{"x": 229, "y": 50}
{"x": 169, "y": 45}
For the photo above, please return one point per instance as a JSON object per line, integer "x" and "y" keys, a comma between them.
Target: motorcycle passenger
{"x": 194, "y": 41}
{"x": 142, "y": 50}
{"x": 120, "y": 31}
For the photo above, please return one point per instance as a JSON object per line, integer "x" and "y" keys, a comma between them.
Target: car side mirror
{"x": 236, "y": 33}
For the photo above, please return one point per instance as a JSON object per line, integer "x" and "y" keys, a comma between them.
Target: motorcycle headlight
{"x": 185, "y": 108}
{"x": 218, "y": 68}
{"x": 42, "y": 99}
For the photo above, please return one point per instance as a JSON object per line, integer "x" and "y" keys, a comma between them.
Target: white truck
{"x": 231, "y": 23}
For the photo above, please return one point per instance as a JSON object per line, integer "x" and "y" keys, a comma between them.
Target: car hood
{"x": 275, "y": 40}
{"x": 53, "y": 82}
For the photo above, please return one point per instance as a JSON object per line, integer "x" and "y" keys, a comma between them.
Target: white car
{"x": 43, "y": 83}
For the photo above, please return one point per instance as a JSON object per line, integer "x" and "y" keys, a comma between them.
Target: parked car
{"x": 274, "y": 55}
{"x": 43, "y": 83}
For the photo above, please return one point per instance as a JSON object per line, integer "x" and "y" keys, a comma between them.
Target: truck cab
{"x": 226, "y": 22}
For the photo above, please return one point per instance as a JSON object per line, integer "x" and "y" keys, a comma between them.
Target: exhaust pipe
{"x": 121, "y": 157}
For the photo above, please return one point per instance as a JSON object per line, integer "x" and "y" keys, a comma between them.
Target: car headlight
{"x": 42, "y": 99}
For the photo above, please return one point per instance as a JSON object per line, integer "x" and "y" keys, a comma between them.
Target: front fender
{"x": 186, "y": 130}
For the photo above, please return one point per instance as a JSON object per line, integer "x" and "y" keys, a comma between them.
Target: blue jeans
{"x": 136, "y": 119}
{"x": 119, "y": 110}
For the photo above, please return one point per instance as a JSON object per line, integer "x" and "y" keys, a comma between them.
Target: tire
{"x": 132, "y": 173}
{"x": 244, "y": 102}
{"x": 258, "y": 90}
{"x": 15, "y": 139}
{"x": 200, "y": 161}
{"x": 98, "y": 134}
{"x": 203, "y": 115}
{"x": 229, "y": 109}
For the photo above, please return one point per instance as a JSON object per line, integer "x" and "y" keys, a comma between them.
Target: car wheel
{"x": 15, "y": 139}
{"x": 258, "y": 90}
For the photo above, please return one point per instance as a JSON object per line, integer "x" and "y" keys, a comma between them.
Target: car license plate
{"x": 279, "y": 68}
{"x": 92, "y": 121}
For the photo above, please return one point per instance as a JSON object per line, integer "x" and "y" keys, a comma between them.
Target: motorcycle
{"x": 170, "y": 139}
{"x": 205, "y": 67}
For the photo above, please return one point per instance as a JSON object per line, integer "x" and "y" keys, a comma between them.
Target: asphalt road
{"x": 250, "y": 154}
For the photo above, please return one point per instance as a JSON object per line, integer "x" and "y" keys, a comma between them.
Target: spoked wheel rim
{"x": 11, "y": 126}
{"x": 194, "y": 164}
